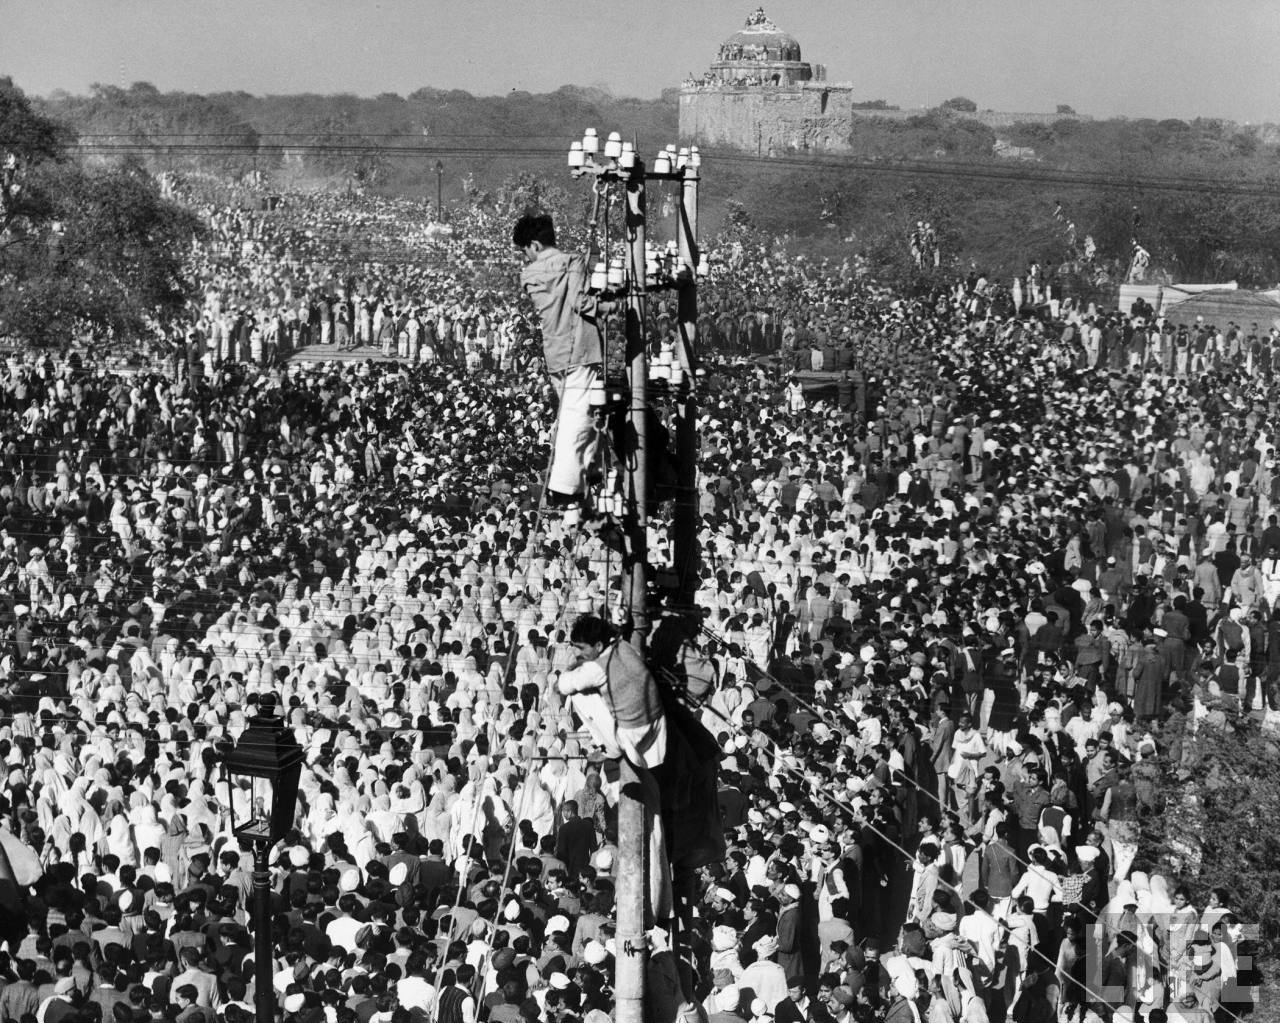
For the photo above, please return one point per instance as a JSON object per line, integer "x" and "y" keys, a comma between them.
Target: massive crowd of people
{"x": 330, "y": 269}
{"x": 957, "y": 616}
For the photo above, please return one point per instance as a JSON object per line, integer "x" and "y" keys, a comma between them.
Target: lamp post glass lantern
{"x": 253, "y": 797}
{"x": 263, "y": 771}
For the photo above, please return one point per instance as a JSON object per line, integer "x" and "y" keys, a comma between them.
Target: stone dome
{"x": 760, "y": 39}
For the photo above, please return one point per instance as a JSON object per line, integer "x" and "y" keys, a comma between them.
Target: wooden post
{"x": 686, "y": 561}
{"x": 637, "y": 415}
{"x": 264, "y": 996}
{"x": 685, "y": 527}
{"x": 632, "y": 959}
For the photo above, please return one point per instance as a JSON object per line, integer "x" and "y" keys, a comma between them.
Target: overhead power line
{"x": 826, "y": 163}
{"x": 417, "y": 136}
{"x": 256, "y": 149}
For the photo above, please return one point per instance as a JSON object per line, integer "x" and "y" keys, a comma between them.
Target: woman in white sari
{"x": 439, "y": 816}
{"x": 198, "y": 810}
{"x": 409, "y": 801}
{"x": 953, "y": 984}
{"x": 721, "y": 707}
{"x": 382, "y": 819}
{"x": 1180, "y": 925}
{"x": 464, "y": 819}
{"x": 322, "y": 820}
{"x": 574, "y": 776}
{"x": 49, "y": 804}
{"x": 533, "y": 804}
{"x": 120, "y": 841}
{"x": 309, "y": 786}
{"x": 1155, "y": 910}
{"x": 81, "y": 816}
{"x": 467, "y": 729}
{"x": 363, "y": 844}
{"x": 555, "y": 778}
{"x": 495, "y": 817}
{"x": 69, "y": 816}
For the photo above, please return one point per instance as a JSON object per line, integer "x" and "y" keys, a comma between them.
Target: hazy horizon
{"x": 1131, "y": 59}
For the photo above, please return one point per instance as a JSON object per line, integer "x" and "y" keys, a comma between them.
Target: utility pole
{"x": 637, "y": 415}
{"x": 685, "y": 527}
{"x": 619, "y": 163}
{"x": 264, "y": 998}
{"x": 440, "y": 191}
{"x": 633, "y": 835}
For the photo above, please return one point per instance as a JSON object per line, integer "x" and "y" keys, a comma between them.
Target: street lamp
{"x": 265, "y": 766}
{"x": 439, "y": 190}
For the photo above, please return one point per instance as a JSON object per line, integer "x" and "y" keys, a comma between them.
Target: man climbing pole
{"x": 556, "y": 282}
{"x": 615, "y": 696}
{"x": 629, "y": 715}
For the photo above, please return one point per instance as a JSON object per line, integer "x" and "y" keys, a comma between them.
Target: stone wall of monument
{"x": 813, "y": 116}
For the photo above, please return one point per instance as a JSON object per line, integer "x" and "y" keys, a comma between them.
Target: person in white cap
{"x": 826, "y": 872}
{"x": 764, "y": 978}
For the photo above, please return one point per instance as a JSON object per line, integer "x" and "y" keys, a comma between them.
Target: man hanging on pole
{"x": 615, "y": 696}
{"x": 571, "y": 348}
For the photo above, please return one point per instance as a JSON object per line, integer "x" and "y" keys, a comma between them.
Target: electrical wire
{"x": 607, "y": 566}
{"x": 780, "y": 764}
{"x": 719, "y": 639}
{"x": 415, "y": 136}
{"x": 506, "y": 875}
{"x": 903, "y": 168}
{"x": 830, "y": 718}
{"x": 902, "y": 775}
{"x": 1170, "y": 184}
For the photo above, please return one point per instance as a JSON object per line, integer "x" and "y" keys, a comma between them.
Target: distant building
{"x": 760, "y": 96}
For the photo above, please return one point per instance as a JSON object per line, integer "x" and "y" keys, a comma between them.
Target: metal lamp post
{"x": 439, "y": 190}
{"x": 267, "y": 761}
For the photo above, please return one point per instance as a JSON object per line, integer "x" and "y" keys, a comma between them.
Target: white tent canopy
{"x": 1163, "y": 297}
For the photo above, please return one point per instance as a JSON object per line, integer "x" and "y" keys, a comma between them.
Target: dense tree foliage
{"x": 29, "y": 143}
{"x": 1214, "y": 806}
{"x": 82, "y": 248}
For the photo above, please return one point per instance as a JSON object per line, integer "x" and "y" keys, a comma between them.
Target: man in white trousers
{"x": 571, "y": 347}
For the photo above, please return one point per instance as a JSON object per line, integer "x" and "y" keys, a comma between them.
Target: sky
{"x": 1136, "y": 58}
